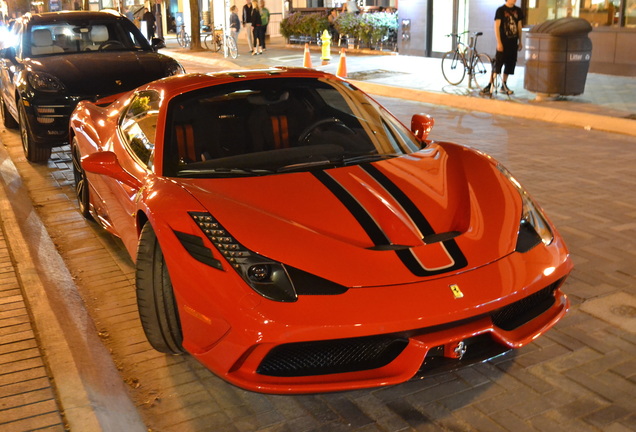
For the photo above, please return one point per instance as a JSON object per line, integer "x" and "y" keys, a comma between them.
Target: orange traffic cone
{"x": 307, "y": 59}
{"x": 342, "y": 65}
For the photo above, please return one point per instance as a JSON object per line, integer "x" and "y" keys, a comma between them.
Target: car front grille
{"x": 332, "y": 356}
{"x": 520, "y": 312}
{"x": 370, "y": 352}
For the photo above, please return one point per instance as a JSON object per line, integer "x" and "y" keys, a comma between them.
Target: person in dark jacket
{"x": 246, "y": 19}
{"x": 257, "y": 28}
{"x": 149, "y": 18}
{"x": 235, "y": 24}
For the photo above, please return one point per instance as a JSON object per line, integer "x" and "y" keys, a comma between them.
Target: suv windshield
{"x": 277, "y": 125}
{"x": 63, "y": 37}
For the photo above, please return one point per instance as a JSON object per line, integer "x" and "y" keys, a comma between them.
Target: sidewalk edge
{"x": 528, "y": 111}
{"x": 90, "y": 390}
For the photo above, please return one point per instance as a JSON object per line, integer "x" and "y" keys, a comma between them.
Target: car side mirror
{"x": 421, "y": 125}
{"x": 157, "y": 43}
{"x": 8, "y": 53}
{"x": 106, "y": 163}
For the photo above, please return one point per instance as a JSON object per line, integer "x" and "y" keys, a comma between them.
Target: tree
{"x": 195, "y": 23}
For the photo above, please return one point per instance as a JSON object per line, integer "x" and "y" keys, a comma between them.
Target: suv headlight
{"x": 533, "y": 227}
{"x": 174, "y": 69}
{"x": 45, "y": 82}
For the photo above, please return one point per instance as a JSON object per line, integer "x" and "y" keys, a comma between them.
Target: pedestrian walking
{"x": 235, "y": 24}
{"x": 257, "y": 28}
{"x": 264, "y": 20}
{"x": 149, "y": 18}
{"x": 246, "y": 19}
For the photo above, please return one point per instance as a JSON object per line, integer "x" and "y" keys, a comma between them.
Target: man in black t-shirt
{"x": 508, "y": 25}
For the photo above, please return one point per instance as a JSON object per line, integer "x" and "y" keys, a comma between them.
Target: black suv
{"x": 57, "y": 59}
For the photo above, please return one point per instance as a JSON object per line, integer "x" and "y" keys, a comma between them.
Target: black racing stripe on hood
{"x": 409, "y": 207}
{"x": 406, "y": 255}
{"x": 367, "y": 223}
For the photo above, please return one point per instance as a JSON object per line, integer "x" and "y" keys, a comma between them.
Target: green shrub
{"x": 299, "y": 24}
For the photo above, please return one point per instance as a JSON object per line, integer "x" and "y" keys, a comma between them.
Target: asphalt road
{"x": 579, "y": 376}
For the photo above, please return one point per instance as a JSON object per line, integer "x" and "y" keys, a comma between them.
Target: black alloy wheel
{"x": 155, "y": 296}
{"x": 32, "y": 151}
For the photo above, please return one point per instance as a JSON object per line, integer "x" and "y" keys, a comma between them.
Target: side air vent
{"x": 195, "y": 247}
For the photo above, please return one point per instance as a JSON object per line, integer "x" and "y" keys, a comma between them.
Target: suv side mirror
{"x": 421, "y": 125}
{"x": 8, "y": 53}
{"x": 157, "y": 43}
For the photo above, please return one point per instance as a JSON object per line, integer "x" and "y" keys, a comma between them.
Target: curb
{"x": 88, "y": 385}
{"x": 587, "y": 121}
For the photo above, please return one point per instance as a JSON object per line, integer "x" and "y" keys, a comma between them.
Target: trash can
{"x": 557, "y": 55}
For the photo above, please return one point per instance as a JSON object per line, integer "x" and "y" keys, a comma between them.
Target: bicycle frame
{"x": 475, "y": 64}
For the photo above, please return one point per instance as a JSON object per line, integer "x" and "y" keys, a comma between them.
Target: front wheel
{"x": 482, "y": 70}
{"x": 155, "y": 296}
{"x": 33, "y": 151}
{"x": 208, "y": 41}
{"x": 231, "y": 47}
{"x": 81, "y": 183}
{"x": 453, "y": 67}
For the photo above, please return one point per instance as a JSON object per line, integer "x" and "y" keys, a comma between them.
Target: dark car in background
{"x": 51, "y": 61}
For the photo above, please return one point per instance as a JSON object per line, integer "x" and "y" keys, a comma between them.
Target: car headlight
{"x": 174, "y": 68}
{"x": 45, "y": 82}
{"x": 267, "y": 277}
{"x": 533, "y": 227}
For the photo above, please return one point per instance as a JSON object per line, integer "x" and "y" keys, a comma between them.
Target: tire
{"x": 453, "y": 67}
{"x": 207, "y": 41}
{"x": 155, "y": 297}
{"x": 81, "y": 182}
{"x": 32, "y": 150}
{"x": 231, "y": 47}
{"x": 482, "y": 70}
{"x": 7, "y": 119}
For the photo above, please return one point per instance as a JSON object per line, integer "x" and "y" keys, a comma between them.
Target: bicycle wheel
{"x": 180, "y": 40}
{"x": 186, "y": 39}
{"x": 218, "y": 41}
{"x": 453, "y": 67}
{"x": 207, "y": 42}
{"x": 232, "y": 49}
{"x": 482, "y": 70}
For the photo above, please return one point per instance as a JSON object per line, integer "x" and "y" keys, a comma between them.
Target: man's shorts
{"x": 506, "y": 59}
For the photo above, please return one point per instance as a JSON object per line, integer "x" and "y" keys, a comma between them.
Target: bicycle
{"x": 465, "y": 59}
{"x": 214, "y": 41}
{"x": 183, "y": 38}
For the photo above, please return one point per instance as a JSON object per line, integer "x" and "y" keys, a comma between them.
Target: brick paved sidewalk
{"x": 27, "y": 398}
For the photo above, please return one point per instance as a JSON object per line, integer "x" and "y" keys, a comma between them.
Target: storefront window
{"x": 598, "y": 12}
{"x": 630, "y": 13}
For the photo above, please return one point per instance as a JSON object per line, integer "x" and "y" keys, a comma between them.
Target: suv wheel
{"x": 32, "y": 151}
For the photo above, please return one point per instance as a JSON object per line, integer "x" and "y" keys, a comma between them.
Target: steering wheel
{"x": 113, "y": 42}
{"x": 305, "y": 135}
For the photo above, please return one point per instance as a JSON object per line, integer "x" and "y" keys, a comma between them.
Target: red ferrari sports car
{"x": 294, "y": 236}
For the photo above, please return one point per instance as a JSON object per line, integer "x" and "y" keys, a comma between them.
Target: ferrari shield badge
{"x": 457, "y": 293}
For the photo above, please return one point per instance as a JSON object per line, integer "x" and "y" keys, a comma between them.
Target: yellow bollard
{"x": 326, "y": 47}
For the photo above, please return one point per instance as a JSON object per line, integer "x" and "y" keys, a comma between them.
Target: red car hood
{"x": 442, "y": 210}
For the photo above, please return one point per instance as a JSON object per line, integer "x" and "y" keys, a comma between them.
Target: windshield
{"x": 84, "y": 36}
{"x": 277, "y": 125}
